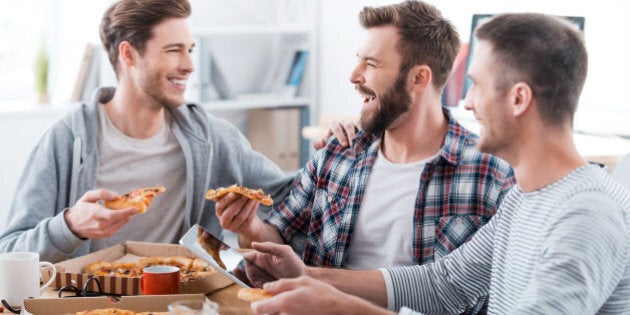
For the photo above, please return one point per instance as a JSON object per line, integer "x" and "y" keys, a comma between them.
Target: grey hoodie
{"x": 63, "y": 166}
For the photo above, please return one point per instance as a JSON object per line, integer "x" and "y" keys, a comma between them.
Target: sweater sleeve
{"x": 36, "y": 222}
{"x": 584, "y": 258}
{"x": 261, "y": 172}
{"x": 449, "y": 284}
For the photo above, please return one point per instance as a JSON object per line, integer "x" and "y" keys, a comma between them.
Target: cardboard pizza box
{"x": 70, "y": 272}
{"x": 144, "y": 303}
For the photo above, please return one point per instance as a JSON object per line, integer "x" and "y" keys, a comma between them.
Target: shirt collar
{"x": 456, "y": 140}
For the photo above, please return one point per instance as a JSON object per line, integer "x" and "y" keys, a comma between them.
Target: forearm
{"x": 51, "y": 238}
{"x": 361, "y": 306}
{"x": 369, "y": 285}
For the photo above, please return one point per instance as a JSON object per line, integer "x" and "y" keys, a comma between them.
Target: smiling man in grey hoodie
{"x": 138, "y": 135}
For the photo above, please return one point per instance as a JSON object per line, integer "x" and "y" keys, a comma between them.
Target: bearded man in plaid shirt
{"x": 411, "y": 187}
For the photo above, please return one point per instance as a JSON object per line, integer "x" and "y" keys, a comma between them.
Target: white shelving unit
{"x": 251, "y": 43}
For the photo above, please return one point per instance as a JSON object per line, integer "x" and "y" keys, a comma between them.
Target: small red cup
{"x": 159, "y": 280}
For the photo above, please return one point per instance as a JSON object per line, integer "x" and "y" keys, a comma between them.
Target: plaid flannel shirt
{"x": 459, "y": 191}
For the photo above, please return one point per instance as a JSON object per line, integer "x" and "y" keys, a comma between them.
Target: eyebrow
{"x": 368, "y": 58}
{"x": 176, "y": 45}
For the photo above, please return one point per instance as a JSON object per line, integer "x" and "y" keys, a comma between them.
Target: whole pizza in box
{"x": 119, "y": 268}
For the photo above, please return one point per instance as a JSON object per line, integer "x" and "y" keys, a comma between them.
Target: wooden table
{"x": 229, "y": 304}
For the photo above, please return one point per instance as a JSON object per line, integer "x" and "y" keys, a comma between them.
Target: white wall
{"x": 605, "y": 35}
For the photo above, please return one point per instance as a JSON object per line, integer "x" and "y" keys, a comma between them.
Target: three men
{"x": 560, "y": 242}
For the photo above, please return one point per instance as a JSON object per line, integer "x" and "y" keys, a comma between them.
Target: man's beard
{"x": 391, "y": 105}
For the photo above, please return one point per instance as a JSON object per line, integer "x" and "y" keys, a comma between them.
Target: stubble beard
{"x": 392, "y": 105}
{"x": 153, "y": 86}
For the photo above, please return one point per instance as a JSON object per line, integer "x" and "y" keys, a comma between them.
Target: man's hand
{"x": 344, "y": 131}
{"x": 305, "y": 295}
{"x": 238, "y": 214}
{"x": 88, "y": 219}
{"x": 272, "y": 261}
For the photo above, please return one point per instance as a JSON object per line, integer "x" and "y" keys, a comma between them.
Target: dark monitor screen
{"x": 479, "y": 19}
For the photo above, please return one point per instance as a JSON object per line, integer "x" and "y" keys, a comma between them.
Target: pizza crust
{"x": 190, "y": 269}
{"x": 253, "y": 194}
{"x": 138, "y": 198}
{"x": 253, "y": 294}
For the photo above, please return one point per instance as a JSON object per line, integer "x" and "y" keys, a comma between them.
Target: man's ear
{"x": 521, "y": 98}
{"x": 420, "y": 76}
{"x": 126, "y": 53}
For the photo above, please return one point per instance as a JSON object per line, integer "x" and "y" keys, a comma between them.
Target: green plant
{"x": 41, "y": 71}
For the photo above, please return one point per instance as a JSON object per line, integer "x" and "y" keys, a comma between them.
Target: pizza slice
{"x": 253, "y": 294}
{"x": 254, "y": 194}
{"x": 112, "y": 269}
{"x": 138, "y": 198}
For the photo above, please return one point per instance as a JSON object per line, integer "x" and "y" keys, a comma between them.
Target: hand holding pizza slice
{"x": 138, "y": 198}
{"x": 253, "y": 294}
{"x": 253, "y": 194}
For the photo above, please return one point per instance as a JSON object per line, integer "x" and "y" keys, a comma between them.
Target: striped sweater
{"x": 564, "y": 249}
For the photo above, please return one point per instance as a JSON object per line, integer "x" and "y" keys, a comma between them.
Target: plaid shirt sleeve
{"x": 292, "y": 216}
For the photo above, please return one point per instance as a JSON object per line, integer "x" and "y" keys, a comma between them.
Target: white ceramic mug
{"x": 20, "y": 274}
{"x": 193, "y": 307}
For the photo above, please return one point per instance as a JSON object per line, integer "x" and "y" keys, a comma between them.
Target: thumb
{"x": 318, "y": 144}
{"x": 98, "y": 194}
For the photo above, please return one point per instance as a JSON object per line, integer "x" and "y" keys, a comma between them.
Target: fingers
{"x": 318, "y": 144}
{"x": 292, "y": 296}
{"x": 282, "y": 285}
{"x": 243, "y": 216}
{"x": 91, "y": 220}
{"x": 272, "y": 248}
{"x": 222, "y": 204}
{"x": 98, "y": 194}
{"x": 235, "y": 211}
{"x": 337, "y": 129}
{"x": 119, "y": 215}
{"x": 350, "y": 129}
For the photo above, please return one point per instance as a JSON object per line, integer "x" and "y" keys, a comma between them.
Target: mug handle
{"x": 44, "y": 264}
{"x": 142, "y": 284}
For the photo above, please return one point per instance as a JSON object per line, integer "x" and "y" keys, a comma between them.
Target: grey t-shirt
{"x": 127, "y": 163}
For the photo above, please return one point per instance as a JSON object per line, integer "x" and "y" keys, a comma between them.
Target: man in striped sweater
{"x": 560, "y": 241}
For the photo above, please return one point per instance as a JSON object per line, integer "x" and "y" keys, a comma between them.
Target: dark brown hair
{"x": 547, "y": 53}
{"x": 133, "y": 21}
{"x": 425, "y": 36}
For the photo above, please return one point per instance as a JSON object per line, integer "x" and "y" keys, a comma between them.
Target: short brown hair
{"x": 133, "y": 21}
{"x": 543, "y": 51}
{"x": 425, "y": 36}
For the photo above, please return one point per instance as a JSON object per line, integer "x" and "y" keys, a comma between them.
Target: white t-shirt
{"x": 127, "y": 163}
{"x": 383, "y": 235}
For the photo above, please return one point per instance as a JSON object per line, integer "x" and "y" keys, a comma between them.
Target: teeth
{"x": 368, "y": 98}
{"x": 179, "y": 82}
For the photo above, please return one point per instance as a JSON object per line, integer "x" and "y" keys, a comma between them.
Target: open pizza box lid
{"x": 70, "y": 272}
{"x": 152, "y": 303}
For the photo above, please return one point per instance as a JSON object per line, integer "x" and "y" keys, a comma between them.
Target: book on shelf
{"x": 286, "y": 74}
{"x": 296, "y": 73}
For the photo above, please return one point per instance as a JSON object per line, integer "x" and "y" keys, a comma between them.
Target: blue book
{"x": 297, "y": 68}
